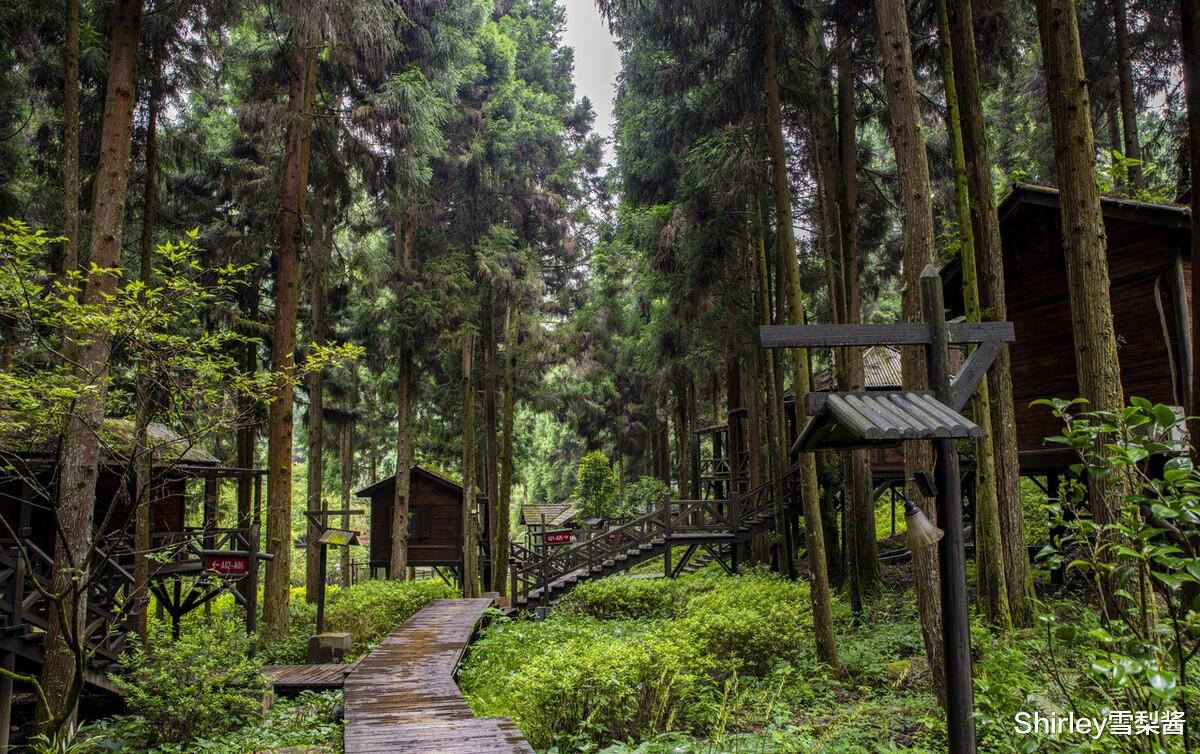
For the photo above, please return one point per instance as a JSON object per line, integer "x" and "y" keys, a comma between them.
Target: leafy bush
{"x": 624, "y": 597}
{"x": 202, "y": 682}
{"x": 646, "y": 494}
{"x": 596, "y": 486}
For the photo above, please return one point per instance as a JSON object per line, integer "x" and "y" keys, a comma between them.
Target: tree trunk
{"x": 985, "y": 229}
{"x": 1083, "y": 237}
{"x": 786, "y": 247}
{"x": 79, "y": 451}
{"x": 772, "y": 421}
{"x": 491, "y": 449}
{"x": 1190, "y": 28}
{"x": 681, "y": 434}
{"x": 470, "y": 577}
{"x": 293, "y": 186}
{"x": 864, "y": 546}
{"x": 346, "y": 464}
{"x": 508, "y": 411}
{"x": 316, "y": 402}
{"x": 912, "y": 172}
{"x": 404, "y": 244}
{"x": 68, "y": 259}
{"x": 1133, "y": 149}
{"x": 989, "y": 551}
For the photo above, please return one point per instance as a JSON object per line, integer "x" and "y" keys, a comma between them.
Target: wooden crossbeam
{"x": 902, "y": 334}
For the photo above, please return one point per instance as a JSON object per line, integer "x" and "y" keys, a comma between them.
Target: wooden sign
{"x": 558, "y": 537}
{"x": 228, "y": 565}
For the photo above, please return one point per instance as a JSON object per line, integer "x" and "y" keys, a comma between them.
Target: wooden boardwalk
{"x": 402, "y": 698}
{"x": 297, "y": 677}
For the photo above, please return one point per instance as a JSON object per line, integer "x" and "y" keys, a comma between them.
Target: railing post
{"x": 667, "y": 537}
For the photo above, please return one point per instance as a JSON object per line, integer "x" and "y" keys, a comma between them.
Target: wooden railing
{"x": 674, "y": 521}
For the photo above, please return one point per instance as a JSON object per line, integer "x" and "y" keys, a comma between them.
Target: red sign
{"x": 229, "y": 566}
{"x": 560, "y": 537}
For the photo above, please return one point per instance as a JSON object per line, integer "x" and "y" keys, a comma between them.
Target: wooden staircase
{"x": 713, "y": 527}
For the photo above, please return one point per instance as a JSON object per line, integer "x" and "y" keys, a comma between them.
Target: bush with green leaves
{"x": 646, "y": 494}
{"x": 201, "y": 683}
{"x": 596, "y": 486}
{"x": 624, "y": 597}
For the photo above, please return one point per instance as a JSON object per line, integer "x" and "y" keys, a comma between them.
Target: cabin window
{"x": 417, "y": 522}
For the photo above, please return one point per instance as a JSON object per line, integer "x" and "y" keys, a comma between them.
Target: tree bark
{"x": 316, "y": 402}
{"x": 404, "y": 245}
{"x": 508, "y": 411}
{"x": 68, "y": 259}
{"x": 470, "y": 576}
{"x": 491, "y": 450}
{"x": 985, "y": 229}
{"x": 912, "y": 171}
{"x": 1133, "y": 148}
{"x": 293, "y": 186}
{"x": 79, "y": 451}
{"x": 786, "y": 248}
{"x": 1083, "y": 236}
{"x": 1190, "y": 42}
{"x": 346, "y": 464}
{"x": 992, "y": 593}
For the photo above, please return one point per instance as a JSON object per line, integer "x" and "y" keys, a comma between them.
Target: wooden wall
{"x": 1141, "y": 267}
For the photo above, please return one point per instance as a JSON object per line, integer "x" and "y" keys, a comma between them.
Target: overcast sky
{"x": 596, "y": 62}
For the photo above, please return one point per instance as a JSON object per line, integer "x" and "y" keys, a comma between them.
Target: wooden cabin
{"x": 184, "y": 477}
{"x": 1149, "y": 267}
{"x": 435, "y": 521}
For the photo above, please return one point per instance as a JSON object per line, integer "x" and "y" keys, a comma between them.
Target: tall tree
{"x": 989, "y": 552}
{"x": 786, "y": 248}
{"x": 68, "y": 259}
{"x": 315, "y": 500}
{"x": 985, "y": 232}
{"x": 79, "y": 450}
{"x": 470, "y": 575}
{"x": 912, "y": 172}
{"x": 1083, "y": 237}
{"x": 1129, "y": 128}
{"x": 1190, "y": 42}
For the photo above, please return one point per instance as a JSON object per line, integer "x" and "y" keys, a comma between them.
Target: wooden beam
{"x": 972, "y": 371}
{"x": 904, "y": 334}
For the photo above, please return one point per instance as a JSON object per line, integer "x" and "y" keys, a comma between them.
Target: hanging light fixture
{"x": 921, "y": 531}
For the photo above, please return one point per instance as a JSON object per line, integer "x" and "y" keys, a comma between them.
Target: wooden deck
{"x": 297, "y": 677}
{"x": 402, "y": 698}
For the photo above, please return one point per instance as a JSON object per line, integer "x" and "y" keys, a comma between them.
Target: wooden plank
{"x": 402, "y": 697}
{"x": 903, "y": 334}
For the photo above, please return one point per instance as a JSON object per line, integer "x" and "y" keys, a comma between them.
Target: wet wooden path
{"x": 402, "y": 698}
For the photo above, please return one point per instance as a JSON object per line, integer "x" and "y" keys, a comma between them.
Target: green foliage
{"x": 596, "y": 486}
{"x": 626, "y": 597}
{"x": 202, "y": 683}
{"x": 646, "y": 494}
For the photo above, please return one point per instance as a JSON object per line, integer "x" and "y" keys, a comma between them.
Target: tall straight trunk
{"x": 681, "y": 435}
{"x": 1190, "y": 42}
{"x": 1083, "y": 237}
{"x": 773, "y": 402}
{"x": 346, "y": 467}
{"x": 470, "y": 577}
{"x": 912, "y": 172}
{"x": 863, "y": 543}
{"x": 404, "y": 245}
{"x": 989, "y": 551}
{"x": 985, "y": 230}
{"x": 79, "y": 451}
{"x": 68, "y": 259}
{"x": 142, "y": 461}
{"x": 508, "y": 411}
{"x": 1133, "y": 148}
{"x": 786, "y": 247}
{"x": 491, "y": 450}
{"x": 246, "y": 432}
{"x": 293, "y": 186}
{"x": 316, "y": 398}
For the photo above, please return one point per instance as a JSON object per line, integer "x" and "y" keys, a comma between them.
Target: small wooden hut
{"x": 435, "y": 522}
{"x": 1149, "y": 268}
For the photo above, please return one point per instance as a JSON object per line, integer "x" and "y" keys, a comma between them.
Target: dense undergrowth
{"x": 711, "y": 664}
{"x": 204, "y": 694}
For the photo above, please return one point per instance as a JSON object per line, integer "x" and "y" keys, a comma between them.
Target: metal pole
{"x": 960, "y": 723}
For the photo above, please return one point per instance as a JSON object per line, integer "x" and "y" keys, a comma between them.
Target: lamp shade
{"x": 921, "y": 532}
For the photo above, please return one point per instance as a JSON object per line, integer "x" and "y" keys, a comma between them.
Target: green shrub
{"x": 596, "y": 486}
{"x": 751, "y": 621}
{"x": 623, "y": 597}
{"x": 647, "y": 493}
{"x": 204, "y": 682}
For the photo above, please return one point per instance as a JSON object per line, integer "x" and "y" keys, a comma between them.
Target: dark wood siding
{"x": 437, "y": 509}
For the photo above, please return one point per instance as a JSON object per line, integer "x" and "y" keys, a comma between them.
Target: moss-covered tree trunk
{"x": 508, "y": 414}
{"x": 985, "y": 229}
{"x": 404, "y": 248}
{"x": 912, "y": 172}
{"x": 470, "y": 549}
{"x": 992, "y": 593}
{"x": 491, "y": 432}
{"x": 786, "y": 249}
{"x": 316, "y": 400}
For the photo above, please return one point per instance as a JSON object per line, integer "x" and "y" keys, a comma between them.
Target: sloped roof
{"x": 433, "y": 476}
{"x": 557, "y": 514}
{"x": 116, "y": 441}
{"x": 861, "y": 419}
{"x": 881, "y": 368}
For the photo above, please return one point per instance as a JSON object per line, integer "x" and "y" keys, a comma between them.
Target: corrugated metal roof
{"x": 846, "y": 420}
{"x": 556, "y": 514}
{"x": 881, "y": 370}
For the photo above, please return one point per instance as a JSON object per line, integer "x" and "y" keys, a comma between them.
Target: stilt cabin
{"x": 435, "y": 522}
{"x": 1149, "y": 268}
{"x": 198, "y": 559}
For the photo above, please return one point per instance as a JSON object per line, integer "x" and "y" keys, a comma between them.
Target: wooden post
{"x": 322, "y": 565}
{"x": 667, "y": 537}
{"x": 960, "y": 723}
{"x": 255, "y": 543}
